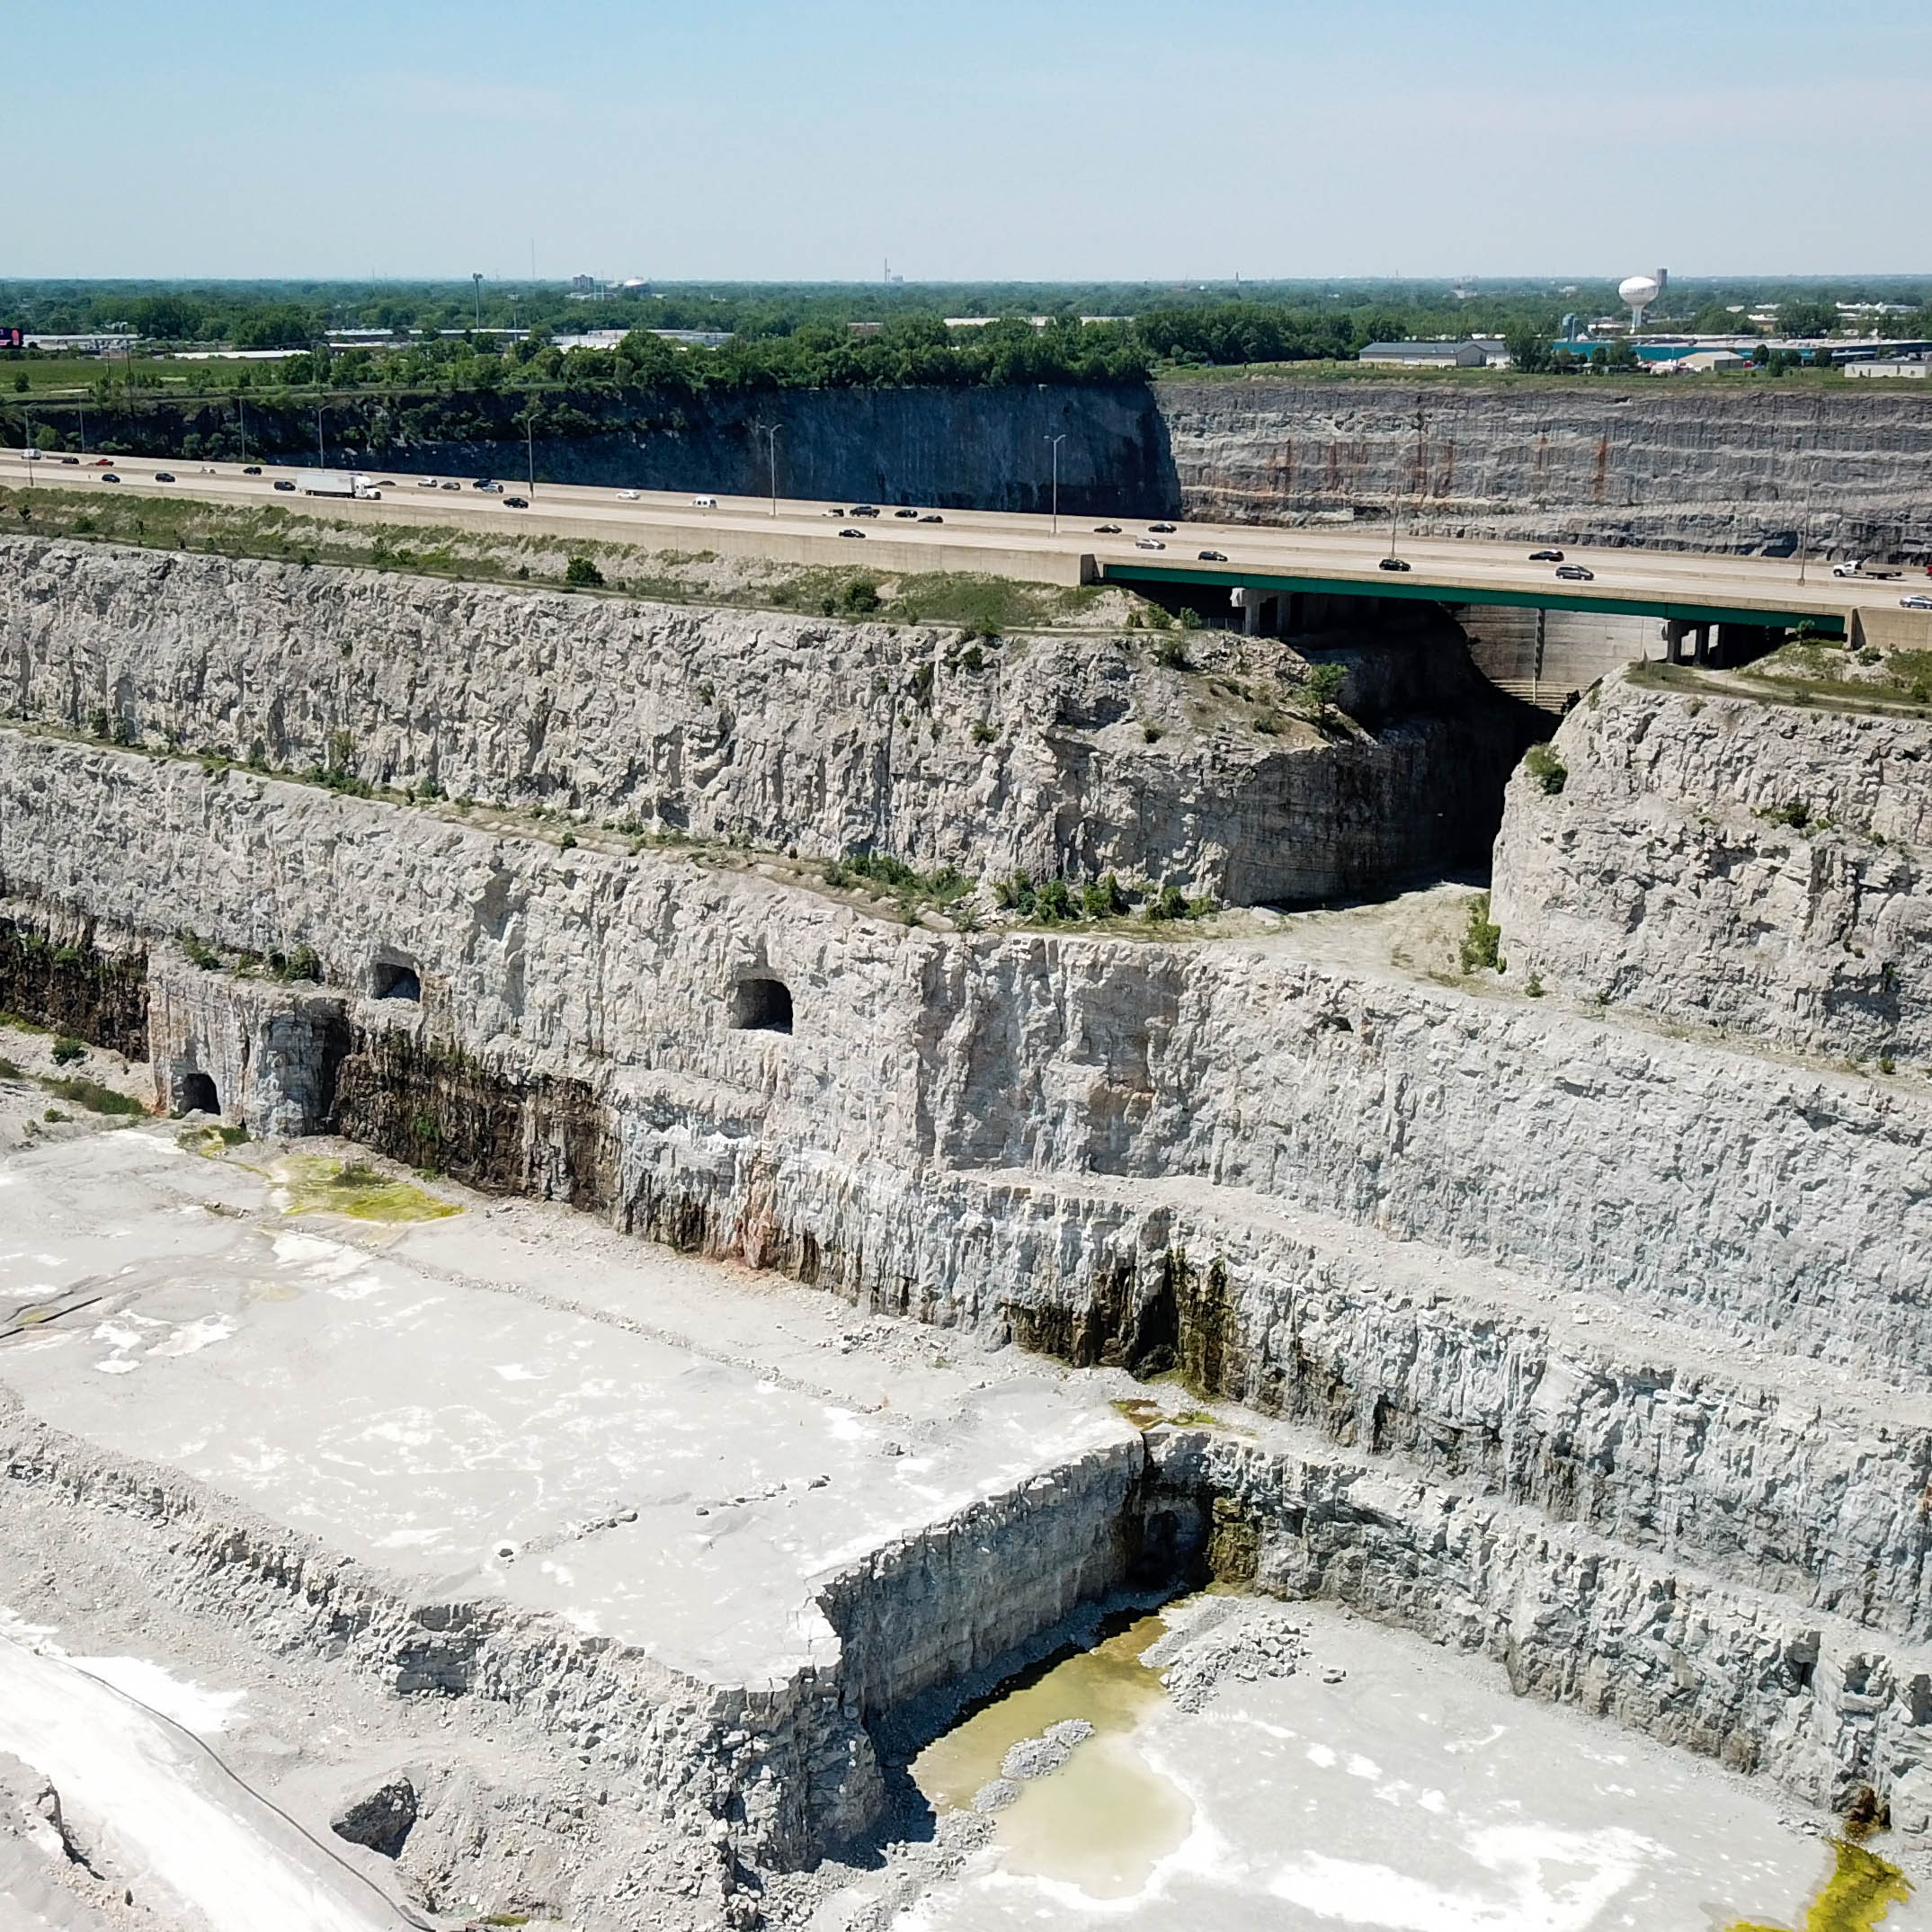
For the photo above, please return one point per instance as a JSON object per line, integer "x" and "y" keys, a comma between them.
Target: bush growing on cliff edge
{"x": 1482, "y": 938}
{"x": 1053, "y": 902}
{"x": 1324, "y": 685}
{"x": 1104, "y": 898}
{"x": 198, "y": 950}
{"x": 1015, "y": 894}
{"x": 1546, "y": 768}
{"x": 303, "y": 962}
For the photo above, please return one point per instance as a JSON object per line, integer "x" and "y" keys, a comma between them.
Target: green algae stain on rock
{"x": 315, "y": 1185}
{"x": 1860, "y": 1892}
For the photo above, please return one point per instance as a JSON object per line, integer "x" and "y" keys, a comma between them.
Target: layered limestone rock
{"x": 1072, "y": 755}
{"x": 786, "y": 1762}
{"x": 1500, "y": 1252}
{"x": 1745, "y": 1678}
{"x": 1730, "y": 863}
{"x": 558, "y": 977}
{"x": 1628, "y": 460}
{"x": 1223, "y": 1156}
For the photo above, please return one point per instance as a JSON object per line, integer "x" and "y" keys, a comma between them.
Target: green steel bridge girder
{"x": 1400, "y": 585}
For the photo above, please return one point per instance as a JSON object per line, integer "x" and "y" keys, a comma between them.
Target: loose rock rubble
{"x": 1247, "y": 1640}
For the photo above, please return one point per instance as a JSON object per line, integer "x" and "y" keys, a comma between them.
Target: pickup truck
{"x": 1859, "y": 567}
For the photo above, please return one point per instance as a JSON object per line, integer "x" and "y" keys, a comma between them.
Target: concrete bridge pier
{"x": 1261, "y": 611}
{"x": 1679, "y": 635}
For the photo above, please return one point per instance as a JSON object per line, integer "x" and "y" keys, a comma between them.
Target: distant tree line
{"x": 453, "y": 340}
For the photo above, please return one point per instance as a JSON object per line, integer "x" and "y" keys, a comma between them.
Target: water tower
{"x": 1637, "y": 293}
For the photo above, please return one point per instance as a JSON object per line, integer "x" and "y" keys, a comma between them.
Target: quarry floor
{"x": 512, "y": 1399}
{"x": 506, "y": 1401}
{"x": 1386, "y": 1786}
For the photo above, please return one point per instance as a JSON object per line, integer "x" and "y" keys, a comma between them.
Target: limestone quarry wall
{"x": 1359, "y": 1203}
{"x": 783, "y": 730}
{"x": 1811, "y": 1702}
{"x": 1652, "y": 460}
{"x": 1730, "y": 863}
{"x": 1643, "y": 459}
{"x": 951, "y": 1600}
{"x": 1502, "y": 1253}
{"x": 1770, "y": 1201}
{"x": 786, "y": 1764}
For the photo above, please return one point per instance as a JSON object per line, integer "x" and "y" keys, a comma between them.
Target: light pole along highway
{"x": 1056, "y": 441}
{"x": 771, "y": 432}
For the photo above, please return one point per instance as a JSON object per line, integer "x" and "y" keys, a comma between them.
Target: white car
{"x": 1148, "y": 543}
{"x": 629, "y": 496}
{"x": 426, "y": 483}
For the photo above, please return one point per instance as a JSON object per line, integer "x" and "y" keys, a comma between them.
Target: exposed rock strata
{"x": 1672, "y": 462}
{"x": 1117, "y": 1149}
{"x": 786, "y": 1762}
{"x": 783, "y": 730}
{"x": 1371, "y": 1206}
{"x": 1812, "y": 1702}
{"x": 1494, "y": 1129}
{"x": 1730, "y": 863}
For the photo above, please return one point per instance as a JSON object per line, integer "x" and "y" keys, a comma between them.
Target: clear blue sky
{"x": 976, "y": 139}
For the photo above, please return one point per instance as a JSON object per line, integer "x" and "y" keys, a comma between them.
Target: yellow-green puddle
{"x": 1106, "y": 1818}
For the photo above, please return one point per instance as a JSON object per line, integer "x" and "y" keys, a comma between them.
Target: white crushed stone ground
{"x": 158, "y": 1816}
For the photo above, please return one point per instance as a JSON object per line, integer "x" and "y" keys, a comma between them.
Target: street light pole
{"x": 1056, "y": 441}
{"x": 529, "y": 445}
{"x": 477, "y": 278}
{"x": 242, "y": 405}
{"x": 771, "y": 432}
{"x": 322, "y": 455}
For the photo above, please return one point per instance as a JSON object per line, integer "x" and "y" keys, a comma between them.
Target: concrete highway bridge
{"x": 1706, "y": 606}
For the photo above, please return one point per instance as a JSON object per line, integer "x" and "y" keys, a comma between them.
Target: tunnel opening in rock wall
{"x": 394, "y": 979}
{"x": 196, "y": 1093}
{"x": 761, "y": 1006}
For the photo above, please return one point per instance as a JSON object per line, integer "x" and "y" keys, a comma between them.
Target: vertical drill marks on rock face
{"x": 782, "y": 730}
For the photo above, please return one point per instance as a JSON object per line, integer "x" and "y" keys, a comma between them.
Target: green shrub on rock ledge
{"x": 1546, "y": 768}
{"x": 1483, "y": 939}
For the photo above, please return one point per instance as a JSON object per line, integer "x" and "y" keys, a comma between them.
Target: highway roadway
{"x": 1342, "y": 558}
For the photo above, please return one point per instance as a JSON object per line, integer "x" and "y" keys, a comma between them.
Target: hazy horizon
{"x": 752, "y": 143}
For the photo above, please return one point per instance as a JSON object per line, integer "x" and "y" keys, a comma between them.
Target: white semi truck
{"x": 340, "y": 483}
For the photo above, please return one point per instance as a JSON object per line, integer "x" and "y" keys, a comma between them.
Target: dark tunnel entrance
{"x": 763, "y": 1006}
{"x": 197, "y": 1095}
